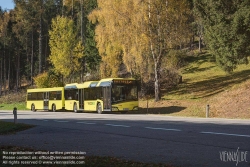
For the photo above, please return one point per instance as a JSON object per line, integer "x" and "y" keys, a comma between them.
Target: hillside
{"x": 205, "y": 83}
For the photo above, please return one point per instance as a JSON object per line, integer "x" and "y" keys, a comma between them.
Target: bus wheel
{"x": 33, "y": 108}
{"x": 99, "y": 108}
{"x": 54, "y": 108}
{"x": 75, "y": 108}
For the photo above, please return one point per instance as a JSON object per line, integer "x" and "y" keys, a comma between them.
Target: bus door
{"x": 81, "y": 98}
{"x": 46, "y": 100}
{"x": 107, "y": 98}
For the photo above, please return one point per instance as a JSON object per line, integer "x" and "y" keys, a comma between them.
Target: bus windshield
{"x": 122, "y": 93}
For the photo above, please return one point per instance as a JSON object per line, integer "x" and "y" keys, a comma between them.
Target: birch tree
{"x": 139, "y": 33}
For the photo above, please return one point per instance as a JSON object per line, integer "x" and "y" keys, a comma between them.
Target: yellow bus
{"x": 74, "y": 95}
{"x": 110, "y": 94}
{"x": 45, "y": 99}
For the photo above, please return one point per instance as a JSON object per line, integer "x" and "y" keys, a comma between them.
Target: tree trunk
{"x": 17, "y": 70}
{"x": 200, "y": 42}
{"x": 1, "y": 76}
{"x": 72, "y": 9}
{"x": 40, "y": 45}
{"x": 27, "y": 58}
{"x": 9, "y": 83}
{"x": 4, "y": 70}
{"x": 157, "y": 84}
{"x": 32, "y": 58}
{"x": 45, "y": 52}
{"x": 156, "y": 52}
{"x": 82, "y": 70}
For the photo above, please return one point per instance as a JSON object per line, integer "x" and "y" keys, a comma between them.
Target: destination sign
{"x": 124, "y": 81}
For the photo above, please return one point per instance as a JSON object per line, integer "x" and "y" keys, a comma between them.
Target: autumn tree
{"x": 66, "y": 49}
{"x": 139, "y": 33}
{"x": 48, "y": 79}
{"x": 78, "y": 10}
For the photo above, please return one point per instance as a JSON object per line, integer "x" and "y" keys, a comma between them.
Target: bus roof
{"x": 108, "y": 81}
{"x": 71, "y": 86}
{"x": 111, "y": 79}
{"x": 45, "y": 89}
{"x": 87, "y": 84}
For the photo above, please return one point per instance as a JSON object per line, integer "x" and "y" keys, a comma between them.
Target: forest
{"x": 46, "y": 43}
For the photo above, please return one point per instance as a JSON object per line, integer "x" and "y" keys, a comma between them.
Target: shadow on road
{"x": 159, "y": 110}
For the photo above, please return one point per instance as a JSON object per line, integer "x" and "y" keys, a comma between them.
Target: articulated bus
{"x": 106, "y": 95}
{"x": 45, "y": 99}
{"x": 111, "y": 94}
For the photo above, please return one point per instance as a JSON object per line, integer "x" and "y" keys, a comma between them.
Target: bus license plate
{"x": 125, "y": 109}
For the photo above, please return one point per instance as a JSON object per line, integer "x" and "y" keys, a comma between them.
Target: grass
{"x": 203, "y": 78}
{"x": 13, "y": 99}
{"x": 10, "y": 128}
{"x": 205, "y": 83}
{"x": 18, "y": 105}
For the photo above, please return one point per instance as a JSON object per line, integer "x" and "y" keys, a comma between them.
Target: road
{"x": 146, "y": 138}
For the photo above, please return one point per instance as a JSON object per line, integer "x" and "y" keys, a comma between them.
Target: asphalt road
{"x": 146, "y": 138}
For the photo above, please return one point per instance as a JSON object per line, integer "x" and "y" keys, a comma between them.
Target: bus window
{"x": 59, "y": 95}
{"x": 71, "y": 94}
{"x": 32, "y": 96}
{"x": 55, "y": 95}
{"x": 39, "y": 96}
{"x": 52, "y": 95}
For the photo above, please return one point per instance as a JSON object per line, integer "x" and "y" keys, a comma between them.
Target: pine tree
{"x": 92, "y": 57}
{"x": 227, "y": 33}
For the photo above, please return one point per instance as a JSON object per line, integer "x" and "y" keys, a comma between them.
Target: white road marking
{"x": 226, "y": 134}
{"x": 118, "y": 125}
{"x": 88, "y": 123}
{"x": 177, "y": 130}
{"x": 60, "y": 121}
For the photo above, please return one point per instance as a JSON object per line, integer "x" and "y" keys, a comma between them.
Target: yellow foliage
{"x": 138, "y": 33}
{"x": 66, "y": 49}
{"x": 44, "y": 80}
{"x": 41, "y": 80}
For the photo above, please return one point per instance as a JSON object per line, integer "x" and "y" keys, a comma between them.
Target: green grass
{"x": 9, "y": 100}
{"x": 10, "y": 128}
{"x": 205, "y": 83}
{"x": 18, "y": 105}
{"x": 203, "y": 78}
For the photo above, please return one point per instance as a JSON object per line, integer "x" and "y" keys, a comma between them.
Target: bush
{"x": 175, "y": 59}
{"x": 170, "y": 75}
{"x": 46, "y": 80}
{"x": 147, "y": 89}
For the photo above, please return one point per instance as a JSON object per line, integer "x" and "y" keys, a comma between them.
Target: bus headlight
{"x": 135, "y": 108}
{"x": 115, "y": 108}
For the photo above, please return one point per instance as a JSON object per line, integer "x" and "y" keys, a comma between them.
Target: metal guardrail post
{"x": 207, "y": 111}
